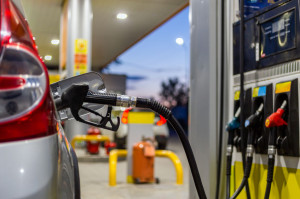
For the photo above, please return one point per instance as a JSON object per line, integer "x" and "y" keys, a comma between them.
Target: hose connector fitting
{"x": 271, "y": 150}
{"x": 250, "y": 150}
{"x": 229, "y": 150}
{"x": 126, "y": 101}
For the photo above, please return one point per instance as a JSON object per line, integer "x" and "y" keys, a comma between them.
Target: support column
{"x": 76, "y": 37}
{"x": 204, "y": 101}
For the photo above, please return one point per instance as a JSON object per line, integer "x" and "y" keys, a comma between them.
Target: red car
{"x": 37, "y": 160}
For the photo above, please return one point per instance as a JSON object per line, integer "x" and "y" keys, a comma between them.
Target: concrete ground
{"x": 94, "y": 178}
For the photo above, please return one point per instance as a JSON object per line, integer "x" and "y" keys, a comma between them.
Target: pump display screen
{"x": 278, "y": 34}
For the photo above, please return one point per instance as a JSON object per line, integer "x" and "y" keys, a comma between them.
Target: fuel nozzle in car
{"x": 230, "y": 128}
{"x": 76, "y": 95}
{"x": 274, "y": 121}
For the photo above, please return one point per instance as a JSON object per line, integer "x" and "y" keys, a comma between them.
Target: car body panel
{"x": 36, "y": 168}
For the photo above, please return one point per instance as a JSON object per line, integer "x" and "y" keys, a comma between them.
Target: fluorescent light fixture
{"x": 122, "y": 15}
{"x": 48, "y": 57}
{"x": 55, "y": 41}
{"x": 180, "y": 41}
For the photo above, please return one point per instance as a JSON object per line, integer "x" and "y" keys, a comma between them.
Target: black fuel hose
{"x": 242, "y": 99}
{"x": 228, "y": 174}
{"x": 228, "y": 163}
{"x": 271, "y": 163}
{"x": 190, "y": 156}
{"x": 166, "y": 113}
{"x": 230, "y": 128}
{"x": 245, "y": 178}
{"x": 271, "y": 160}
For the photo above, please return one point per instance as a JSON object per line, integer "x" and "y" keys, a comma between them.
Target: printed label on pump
{"x": 80, "y": 57}
{"x": 80, "y": 46}
{"x": 237, "y": 95}
{"x": 283, "y": 87}
{"x": 259, "y": 91}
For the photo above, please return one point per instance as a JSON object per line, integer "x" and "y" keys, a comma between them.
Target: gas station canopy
{"x": 110, "y": 36}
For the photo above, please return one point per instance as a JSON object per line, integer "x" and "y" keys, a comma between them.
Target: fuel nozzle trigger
{"x": 74, "y": 98}
{"x": 104, "y": 120}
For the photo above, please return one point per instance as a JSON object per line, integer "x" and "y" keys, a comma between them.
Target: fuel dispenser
{"x": 271, "y": 68}
{"x": 288, "y": 135}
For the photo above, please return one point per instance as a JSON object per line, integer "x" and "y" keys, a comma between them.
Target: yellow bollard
{"x": 176, "y": 162}
{"x": 99, "y": 138}
{"x": 113, "y": 158}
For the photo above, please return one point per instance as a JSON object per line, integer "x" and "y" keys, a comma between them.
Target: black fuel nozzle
{"x": 254, "y": 119}
{"x": 252, "y": 124}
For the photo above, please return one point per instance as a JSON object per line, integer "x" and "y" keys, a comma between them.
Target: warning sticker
{"x": 80, "y": 57}
{"x": 80, "y": 46}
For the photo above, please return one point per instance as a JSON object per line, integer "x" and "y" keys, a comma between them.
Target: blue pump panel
{"x": 278, "y": 34}
{"x": 252, "y": 6}
{"x": 271, "y": 37}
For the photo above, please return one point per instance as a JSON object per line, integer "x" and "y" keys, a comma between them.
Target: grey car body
{"x": 39, "y": 168}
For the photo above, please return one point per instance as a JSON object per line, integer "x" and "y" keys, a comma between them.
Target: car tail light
{"x": 26, "y": 109}
{"x": 7, "y": 83}
{"x": 162, "y": 121}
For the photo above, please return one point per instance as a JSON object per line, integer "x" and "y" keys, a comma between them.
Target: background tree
{"x": 174, "y": 93}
